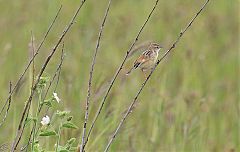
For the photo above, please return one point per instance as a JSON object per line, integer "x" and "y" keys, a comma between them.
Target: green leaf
{"x": 73, "y": 149}
{"x": 62, "y": 114}
{"x": 29, "y": 119}
{"x": 47, "y": 102}
{"x": 42, "y": 83}
{"x": 62, "y": 149}
{"x": 37, "y": 148}
{"x": 70, "y": 125}
{"x": 71, "y": 141}
{"x": 47, "y": 133}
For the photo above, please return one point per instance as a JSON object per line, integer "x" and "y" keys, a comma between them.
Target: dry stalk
{"x": 118, "y": 71}
{"x": 31, "y": 60}
{"x": 28, "y": 103}
{"x": 57, "y": 73}
{"x": 9, "y": 104}
{"x": 91, "y": 75}
{"x": 146, "y": 80}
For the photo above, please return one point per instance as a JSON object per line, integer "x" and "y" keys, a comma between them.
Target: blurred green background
{"x": 191, "y": 102}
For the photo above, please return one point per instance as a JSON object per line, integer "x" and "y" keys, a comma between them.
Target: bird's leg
{"x": 145, "y": 76}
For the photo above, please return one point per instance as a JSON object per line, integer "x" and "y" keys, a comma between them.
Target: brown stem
{"x": 32, "y": 59}
{"x": 9, "y": 104}
{"x": 118, "y": 71}
{"x": 28, "y": 103}
{"x": 146, "y": 80}
{"x": 48, "y": 88}
{"x": 91, "y": 75}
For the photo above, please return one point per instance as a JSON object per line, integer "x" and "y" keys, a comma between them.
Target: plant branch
{"x": 26, "y": 109}
{"x": 91, "y": 75}
{"x": 118, "y": 71}
{"x": 32, "y": 59}
{"x": 57, "y": 72}
{"x": 48, "y": 88}
{"x": 9, "y": 104}
{"x": 146, "y": 80}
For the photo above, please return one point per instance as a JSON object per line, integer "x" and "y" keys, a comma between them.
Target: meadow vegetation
{"x": 191, "y": 102}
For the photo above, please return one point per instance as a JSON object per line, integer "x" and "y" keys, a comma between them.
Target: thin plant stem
{"x": 91, "y": 75}
{"x": 28, "y": 103}
{"x": 35, "y": 122}
{"x": 45, "y": 95}
{"x": 146, "y": 80}
{"x": 9, "y": 104}
{"x": 31, "y": 54}
{"x": 59, "y": 69}
{"x": 118, "y": 71}
{"x": 59, "y": 137}
{"x": 32, "y": 59}
{"x": 32, "y": 75}
{"x": 31, "y": 78}
{"x": 57, "y": 73}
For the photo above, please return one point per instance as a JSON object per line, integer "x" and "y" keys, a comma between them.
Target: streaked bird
{"x": 147, "y": 59}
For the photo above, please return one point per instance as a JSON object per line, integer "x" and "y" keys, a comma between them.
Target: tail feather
{"x": 129, "y": 71}
{"x": 136, "y": 65}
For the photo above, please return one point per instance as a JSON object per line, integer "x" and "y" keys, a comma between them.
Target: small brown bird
{"x": 147, "y": 59}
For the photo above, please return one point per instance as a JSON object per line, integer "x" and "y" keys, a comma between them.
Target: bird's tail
{"x": 129, "y": 71}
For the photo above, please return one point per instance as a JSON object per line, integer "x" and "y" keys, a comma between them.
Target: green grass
{"x": 191, "y": 102}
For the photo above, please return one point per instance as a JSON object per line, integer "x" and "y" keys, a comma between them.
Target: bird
{"x": 147, "y": 59}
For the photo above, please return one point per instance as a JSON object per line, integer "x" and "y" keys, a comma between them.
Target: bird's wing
{"x": 145, "y": 56}
{"x": 147, "y": 53}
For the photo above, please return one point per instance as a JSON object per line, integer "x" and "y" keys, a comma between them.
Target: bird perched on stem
{"x": 147, "y": 59}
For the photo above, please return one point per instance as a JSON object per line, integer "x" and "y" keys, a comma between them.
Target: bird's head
{"x": 156, "y": 47}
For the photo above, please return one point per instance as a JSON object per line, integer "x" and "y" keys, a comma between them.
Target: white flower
{"x": 55, "y": 96}
{"x": 45, "y": 120}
